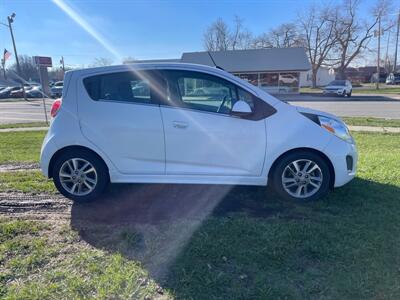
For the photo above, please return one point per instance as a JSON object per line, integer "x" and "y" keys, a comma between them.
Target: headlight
{"x": 336, "y": 127}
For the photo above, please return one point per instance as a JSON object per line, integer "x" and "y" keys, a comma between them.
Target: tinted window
{"x": 201, "y": 91}
{"x": 124, "y": 86}
{"x": 338, "y": 82}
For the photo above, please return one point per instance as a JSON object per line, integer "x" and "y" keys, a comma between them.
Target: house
{"x": 324, "y": 77}
{"x": 276, "y": 70}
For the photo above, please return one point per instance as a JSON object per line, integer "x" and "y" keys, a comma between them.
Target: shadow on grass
{"x": 208, "y": 241}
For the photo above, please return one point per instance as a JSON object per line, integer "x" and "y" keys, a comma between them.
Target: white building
{"x": 324, "y": 76}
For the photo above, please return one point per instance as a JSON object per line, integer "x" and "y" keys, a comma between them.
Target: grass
{"x": 36, "y": 265}
{"x": 23, "y": 125}
{"x": 382, "y": 90}
{"x": 368, "y": 121}
{"x": 25, "y": 182}
{"x": 21, "y": 146}
{"x": 253, "y": 245}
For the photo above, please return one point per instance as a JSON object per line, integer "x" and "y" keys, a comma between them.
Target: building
{"x": 276, "y": 70}
{"x": 324, "y": 77}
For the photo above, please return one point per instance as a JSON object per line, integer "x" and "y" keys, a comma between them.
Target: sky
{"x": 116, "y": 29}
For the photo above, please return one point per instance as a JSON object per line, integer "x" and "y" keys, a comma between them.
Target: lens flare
{"x": 87, "y": 27}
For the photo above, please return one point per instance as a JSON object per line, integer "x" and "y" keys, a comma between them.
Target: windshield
{"x": 338, "y": 82}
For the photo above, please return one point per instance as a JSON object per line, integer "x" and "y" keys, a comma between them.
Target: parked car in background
{"x": 393, "y": 78}
{"x": 239, "y": 135}
{"x": 381, "y": 78}
{"x": 56, "y": 89}
{"x": 338, "y": 87}
{"x": 6, "y": 92}
{"x": 34, "y": 92}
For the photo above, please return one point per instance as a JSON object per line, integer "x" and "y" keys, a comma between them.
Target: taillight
{"x": 55, "y": 107}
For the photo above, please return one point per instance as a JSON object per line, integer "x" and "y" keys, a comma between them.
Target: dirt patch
{"x": 34, "y": 206}
{"x": 18, "y": 167}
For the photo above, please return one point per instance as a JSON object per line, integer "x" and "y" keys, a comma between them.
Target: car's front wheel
{"x": 301, "y": 176}
{"x": 80, "y": 175}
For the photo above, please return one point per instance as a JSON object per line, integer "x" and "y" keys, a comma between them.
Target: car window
{"x": 201, "y": 91}
{"x": 123, "y": 87}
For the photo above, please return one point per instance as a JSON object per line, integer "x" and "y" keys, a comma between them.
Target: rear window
{"x": 123, "y": 87}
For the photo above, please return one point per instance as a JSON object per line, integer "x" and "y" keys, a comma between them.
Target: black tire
{"x": 349, "y": 94}
{"x": 100, "y": 169}
{"x": 282, "y": 163}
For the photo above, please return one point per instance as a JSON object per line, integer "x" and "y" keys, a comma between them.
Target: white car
{"x": 56, "y": 89}
{"x": 339, "y": 87}
{"x": 102, "y": 132}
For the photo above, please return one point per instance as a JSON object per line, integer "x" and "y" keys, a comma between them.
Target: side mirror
{"x": 241, "y": 108}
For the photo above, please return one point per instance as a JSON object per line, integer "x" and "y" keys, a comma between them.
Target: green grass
{"x": 253, "y": 245}
{"x": 20, "y": 146}
{"x": 382, "y": 90}
{"x": 42, "y": 262}
{"x": 368, "y": 121}
{"x": 23, "y": 125}
{"x": 26, "y": 182}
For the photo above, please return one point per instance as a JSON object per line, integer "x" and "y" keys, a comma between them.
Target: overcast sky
{"x": 140, "y": 29}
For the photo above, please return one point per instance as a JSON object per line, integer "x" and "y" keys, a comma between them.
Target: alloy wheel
{"x": 78, "y": 176}
{"x": 302, "y": 178}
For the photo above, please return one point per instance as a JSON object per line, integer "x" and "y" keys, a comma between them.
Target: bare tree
{"x": 318, "y": 28}
{"x": 352, "y": 35}
{"x": 219, "y": 37}
{"x": 284, "y": 36}
{"x": 28, "y": 69}
{"x": 101, "y": 62}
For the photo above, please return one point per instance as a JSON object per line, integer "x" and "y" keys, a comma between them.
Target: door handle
{"x": 179, "y": 125}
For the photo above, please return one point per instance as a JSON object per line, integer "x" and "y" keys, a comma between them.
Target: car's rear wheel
{"x": 301, "y": 176}
{"x": 80, "y": 175}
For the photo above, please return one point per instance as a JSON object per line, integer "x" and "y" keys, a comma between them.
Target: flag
{"x": 6, "y": 54}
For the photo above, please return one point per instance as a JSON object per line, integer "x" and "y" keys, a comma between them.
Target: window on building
{"x": 251, "y": 77}
{"x": 269, "y": 82}
{"x": 289, "y": 82}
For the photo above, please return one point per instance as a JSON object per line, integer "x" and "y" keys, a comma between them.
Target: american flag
{"x": 6, "y": 54}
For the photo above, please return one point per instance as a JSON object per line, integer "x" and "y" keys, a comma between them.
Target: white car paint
{"x": 338, "y": 89}
{"x": 162, "y": 144}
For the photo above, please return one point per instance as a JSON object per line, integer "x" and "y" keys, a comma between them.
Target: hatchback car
{"x": 339, "y": 87}
{"x": 105, "y": 129}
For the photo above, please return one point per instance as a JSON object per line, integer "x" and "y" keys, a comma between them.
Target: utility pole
{"x": 10, "y": 20}
{"x": 62, "y": 64}
{"x": 397, "y": 43}
{"x": 3, "y": 64}
{"x": 379, "y": 51}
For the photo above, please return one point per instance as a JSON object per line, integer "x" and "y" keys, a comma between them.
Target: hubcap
{"x": 78, "y": 176}
{"x": 302, "y": 178}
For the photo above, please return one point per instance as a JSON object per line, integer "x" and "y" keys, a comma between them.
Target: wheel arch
{"x": 317, "y": 152}
{"x": 72, "y": 148}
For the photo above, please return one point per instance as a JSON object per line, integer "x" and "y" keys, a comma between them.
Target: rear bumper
{"x": 344, "y": 158}
{"x": 46, "y": 153}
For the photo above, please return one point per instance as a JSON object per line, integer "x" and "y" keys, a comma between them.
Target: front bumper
{"x": 344, "y": 158}
{"x": 334, "y": 92}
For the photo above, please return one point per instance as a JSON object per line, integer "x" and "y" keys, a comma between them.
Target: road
{"x": 23, "y": 112}
{"x": 18, "y": 112}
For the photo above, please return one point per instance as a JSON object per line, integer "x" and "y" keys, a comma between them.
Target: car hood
{"x": 301, "y": 109}
{"x": 336, "y": 87}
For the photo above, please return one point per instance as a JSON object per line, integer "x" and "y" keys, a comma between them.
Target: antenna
{"x": 212, "y": 59}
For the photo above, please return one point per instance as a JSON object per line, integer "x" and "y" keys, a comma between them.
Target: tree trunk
{"x": 314, "y": 78}
{"x": 341, "y": 73}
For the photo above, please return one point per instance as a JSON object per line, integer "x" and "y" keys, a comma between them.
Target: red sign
{"x": 43, "y": 61}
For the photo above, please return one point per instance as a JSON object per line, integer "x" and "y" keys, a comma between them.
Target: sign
{"x": 43, "y": 61}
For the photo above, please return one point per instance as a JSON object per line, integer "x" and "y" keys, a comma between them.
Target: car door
{"x": 119, "y": 113}
{"x": 201, "y": 136}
